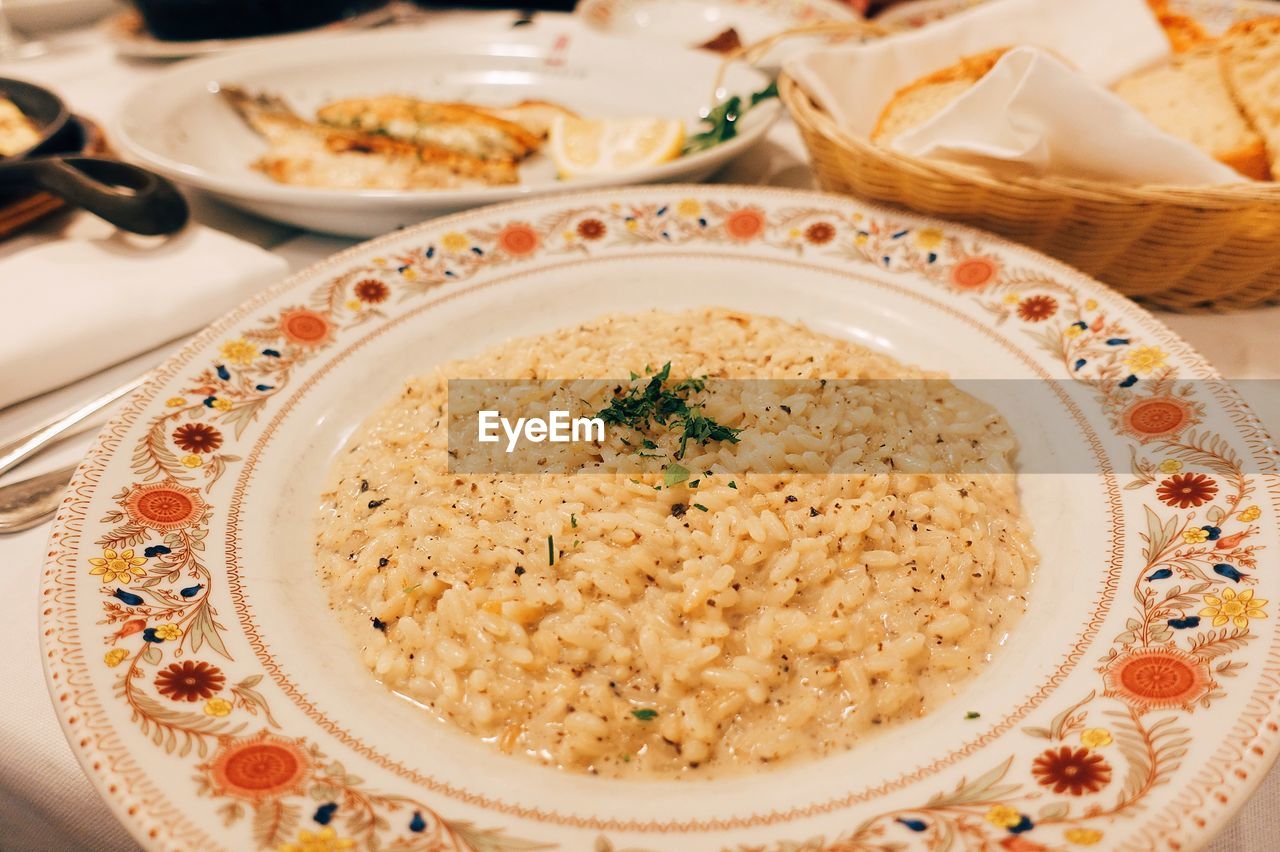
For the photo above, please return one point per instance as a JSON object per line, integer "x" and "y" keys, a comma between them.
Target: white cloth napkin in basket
{"x": 1043, "y": 109}
{"x": 1013, "y": 122}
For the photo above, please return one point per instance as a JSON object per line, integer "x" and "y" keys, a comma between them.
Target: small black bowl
{"x": 126, "y": 195}
{"x": 45, "y": 109}
{"x": 191, "y": 20}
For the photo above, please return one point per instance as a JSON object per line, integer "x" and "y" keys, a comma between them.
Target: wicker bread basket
{"x": 1173, "y": 247}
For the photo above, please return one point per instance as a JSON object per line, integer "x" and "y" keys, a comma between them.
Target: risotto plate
{"x": 214, "y": 701}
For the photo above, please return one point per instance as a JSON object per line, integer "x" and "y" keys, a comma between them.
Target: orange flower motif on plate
{"x": 164, "y": 506}
{"x": 518, "y": 239}
{"x": 1157, "y": 678}
{"x": 1156, "y": 418}
{"x": 260, "y": 767}
{"x": 745, "y": 224}
{"x": 303, "y": 327}
{"x": 973, "y": 273}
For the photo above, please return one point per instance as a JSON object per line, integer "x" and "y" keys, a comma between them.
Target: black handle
{"x": 128, "y": 197}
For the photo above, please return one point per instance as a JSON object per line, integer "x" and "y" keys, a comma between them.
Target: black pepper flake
{"x": 379, "y": 624}
{"x": 813, "y": 513}
{"x": 519, "y": 570}
{"x": 383, "y": 562}
{"x": 785, "y": 408}
{"x": 373, "y": 504}
{"x": 791, "y": 498}
{"x": 678, "y": 510}
{"x": 364, "y": 485}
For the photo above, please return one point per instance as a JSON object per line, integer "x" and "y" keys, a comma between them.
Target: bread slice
{"x": 1188, "y": 97}
{"x": 917, "y": 102}
{"x": 1251, "y": 63}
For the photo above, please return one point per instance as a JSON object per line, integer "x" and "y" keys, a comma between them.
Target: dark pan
{"x": 128, "y": 197}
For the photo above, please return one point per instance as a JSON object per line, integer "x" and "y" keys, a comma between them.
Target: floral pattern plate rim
{"x": 194, "y": 670}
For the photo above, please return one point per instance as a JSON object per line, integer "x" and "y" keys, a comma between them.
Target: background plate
{"x": 211, "y": 148}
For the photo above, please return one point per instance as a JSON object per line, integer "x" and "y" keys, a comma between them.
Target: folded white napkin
{"x": 76, "y": 306}
{"x": 1104, "y": 40}
{"x": 1013, "y": 122}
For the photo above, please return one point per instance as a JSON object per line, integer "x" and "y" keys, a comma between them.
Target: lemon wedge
{"x": 582, "y": 147}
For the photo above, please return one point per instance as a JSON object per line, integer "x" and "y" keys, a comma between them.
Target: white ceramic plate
{"x": 1214, "y": 15}
{"x": 1174, "y": 724}
{"x": 130, "y": 37}
{"x": 692, "y": 22}
{"x": 178, "y": 126}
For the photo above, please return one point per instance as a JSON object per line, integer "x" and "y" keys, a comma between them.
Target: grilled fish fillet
{"x": 307, "y": 154}
{"x": 463, "y": 128}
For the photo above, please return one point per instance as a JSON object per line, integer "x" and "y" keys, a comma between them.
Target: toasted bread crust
{"x": 1250, "y": 162}
{"x": 1183, "y": 32}
{"x": 970, "y": 69}
{"x": 1242, "y": 39}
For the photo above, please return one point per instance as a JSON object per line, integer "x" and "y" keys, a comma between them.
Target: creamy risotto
{"x": 620, "y": 624}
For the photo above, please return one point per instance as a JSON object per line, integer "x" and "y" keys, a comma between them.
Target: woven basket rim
{"x": 804, "y": 108}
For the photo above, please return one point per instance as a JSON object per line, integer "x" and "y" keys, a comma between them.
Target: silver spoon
{"x": 28, "y": 503}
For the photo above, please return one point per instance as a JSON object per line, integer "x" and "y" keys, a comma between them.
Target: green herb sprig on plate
{"x": 723, "y": 120}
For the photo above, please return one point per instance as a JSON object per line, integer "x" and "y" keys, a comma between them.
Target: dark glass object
{"x": 543, "y": 5}
{"x": 188, "y": 20}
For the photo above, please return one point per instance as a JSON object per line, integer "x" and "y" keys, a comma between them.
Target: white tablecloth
{"x": 46, "y": 803}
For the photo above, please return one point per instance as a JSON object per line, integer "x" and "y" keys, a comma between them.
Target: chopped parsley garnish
{"x": 674, "y": 474}
{"x": 573, "y": 521}
{"x": 733, "y": 485}
{"x": 645, "y": 714}
{"x": 700, "y": 507}
{"x": 551, "y": 550}
{"x": 654, "y": 402}
{"x": 972, "y": 714}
